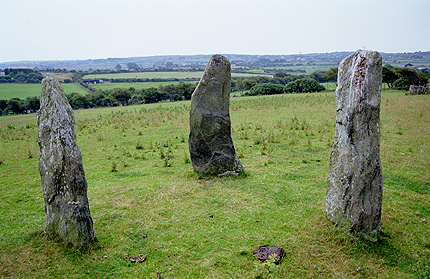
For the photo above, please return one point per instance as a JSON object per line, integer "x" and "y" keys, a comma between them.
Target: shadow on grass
{"x": 392, "y": 256}
{"x": 41, "y": 238}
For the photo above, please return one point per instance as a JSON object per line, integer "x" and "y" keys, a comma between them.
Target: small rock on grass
{"x": 136, "y": 259}
{"x": 264, "y": 252}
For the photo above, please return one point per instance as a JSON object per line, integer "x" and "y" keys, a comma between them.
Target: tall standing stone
{"x": 211, "y": 147}
{"x": 354, "y": 183}
{"x": 61, "y": 170}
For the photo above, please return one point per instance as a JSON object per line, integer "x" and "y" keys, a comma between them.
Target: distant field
{"x": 164, "y": 75}
{"x": 136, "y": 85}
{"x": 22, "y": 91}
{"x": 308, "y": 68}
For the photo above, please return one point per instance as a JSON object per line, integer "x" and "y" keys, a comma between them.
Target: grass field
{"x": 163, "y": 75}
{"x": 208, "y": 227}
{"x": 136, "y": 85}
{"x": 22, "y": 91}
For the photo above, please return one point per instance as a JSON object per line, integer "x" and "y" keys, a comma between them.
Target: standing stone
{"x": 354, "y": 183}
{"x": 61, "y": 170}
{"x": 210, "y": 143}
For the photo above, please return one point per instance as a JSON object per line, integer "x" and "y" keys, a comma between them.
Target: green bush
{"x": 401, "y": 84}
{"x": 265, "y": 89}
{"x": 304, "y": 85}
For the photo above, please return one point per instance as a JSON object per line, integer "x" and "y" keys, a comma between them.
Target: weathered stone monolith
{"x": 354, "y": 183}
{"x": 211, "y": 147}
{"x": 60, "y": 165}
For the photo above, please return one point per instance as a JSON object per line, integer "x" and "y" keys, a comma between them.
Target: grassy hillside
{"x": 22, "y": 91}
{"x": 192, "y": 226}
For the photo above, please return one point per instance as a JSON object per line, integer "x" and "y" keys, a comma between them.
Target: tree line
{"x": 279, "y": 83}
{"x": 403, "y": 78}
{"x": 171, "y": 92}
{"x": 21, "y": 76}
{"x": 131, "y": 96}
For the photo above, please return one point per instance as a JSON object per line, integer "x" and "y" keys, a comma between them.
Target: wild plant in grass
{"x": 113, "y": 167}
{"x": 139, "y": 146}
{"x": 165, "y": 153}
{"x": 186, "y": 158}
{"x": 267, "y": 268}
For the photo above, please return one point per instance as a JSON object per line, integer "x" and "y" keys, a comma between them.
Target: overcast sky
{"x": 93, "y": 29}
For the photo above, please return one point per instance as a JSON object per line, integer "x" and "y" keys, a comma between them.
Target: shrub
{"x": 401, "y": 84}
{"x": 304, "y": 85}
{"x": 265, "y": 89}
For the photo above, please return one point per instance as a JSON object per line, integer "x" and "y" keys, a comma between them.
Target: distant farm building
{"x": 93, "y": 81}
{"x": 416, "y": 67}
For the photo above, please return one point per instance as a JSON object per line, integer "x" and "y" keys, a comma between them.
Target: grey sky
{"x": 92, "y": 29}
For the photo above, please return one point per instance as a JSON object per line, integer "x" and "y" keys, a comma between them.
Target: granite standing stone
{"x": 61, "y": 170}
{"x": 211, "y": 147}
{"x": 354, "y": 183}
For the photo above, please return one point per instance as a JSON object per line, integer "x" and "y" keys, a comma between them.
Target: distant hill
{"x": 199, "y": 61}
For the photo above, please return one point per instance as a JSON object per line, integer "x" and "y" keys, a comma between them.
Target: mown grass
{"x": 163, "y": 75}
{"x": 141, "y": 183}
{"x": 22, "y": 91}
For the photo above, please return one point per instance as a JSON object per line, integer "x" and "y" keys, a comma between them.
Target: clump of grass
{"x": 113, "y": 167}
{"x": 186, "y": 158}
{"x": 139, "y": 146}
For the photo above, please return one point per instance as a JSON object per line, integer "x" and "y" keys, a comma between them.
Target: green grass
{"x": 162, "y": 75}
{"x": 22, "y": 91}
{"x": 284, "y": 143}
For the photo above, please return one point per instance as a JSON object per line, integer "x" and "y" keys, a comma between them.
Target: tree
{"x": 318, "y": 76}
{"x": 172, "y": 92}
{"x": 280, "y": 75}
{"x": 152, "y": 95}
{"x": 401, "y": 84}
{"x": 304, "y": 85}
{"x": 77, "y": 101}
{"x": 121, "y": 95}
{"x": 187, "y": 89}
{"x": 31, "y": 104}
{"x": 266, "y": 89}
{"x": 132, "y": 66}
{"x": 389, "y": 76}
{"x": 34, "y": 77}
{"x": 118, "y": 67}
{"x": 137, "y": 97}
{"x": 331, "y": 75}
{"x": 247, "y": 84}
{"x": 20, "y": 77}
{"x": 3, "y": 105}
{"x": 14, "y": 105}
{"x": 410, "y": 77}
{"x": 99, "y": 99}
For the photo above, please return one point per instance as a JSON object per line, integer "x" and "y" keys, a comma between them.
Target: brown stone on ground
{"x": 60, "y": 165}
{"x": 354, "y": 183}
{"x": 264, "y": 253}
{"x": 136, "y": 259}
{"x": 210, "y": 143}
